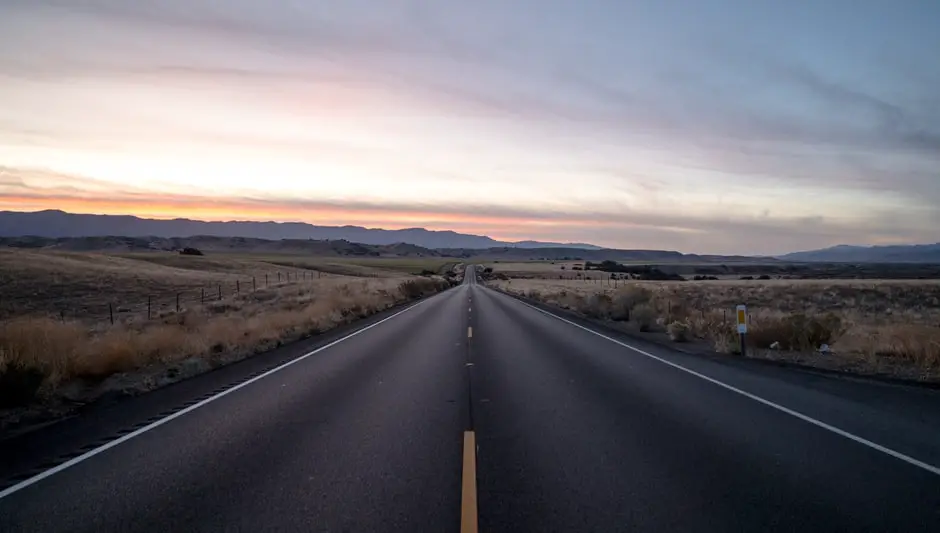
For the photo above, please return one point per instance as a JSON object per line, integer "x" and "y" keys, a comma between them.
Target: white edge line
{"x": 875, "y": 446}
{"x": 104, "y": 447}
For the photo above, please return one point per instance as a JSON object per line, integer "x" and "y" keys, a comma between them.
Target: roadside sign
{"x": 742, "y": 319}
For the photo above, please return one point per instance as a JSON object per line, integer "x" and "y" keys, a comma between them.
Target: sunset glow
{"x": 647, "y": 131}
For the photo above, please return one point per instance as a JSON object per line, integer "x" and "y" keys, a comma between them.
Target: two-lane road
{"x": 575, "y": 430}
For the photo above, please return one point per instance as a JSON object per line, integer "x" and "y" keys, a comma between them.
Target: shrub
{"x": 597, "y": 305}
{"x": 726, "y": 341}
{"x": 417, "y": 288}
{"x": 19, "y": 384}
{"x": 796, "y": 332}
{"x": 655, "y": 274}
{"x": 644, "y": 316}
{"x": 626, "y": 299}
{"x": 42, "y": 343}
{"x": 678, "y": 331}
{"x": 918, "y": 344}
{"x": 191, "y": 251}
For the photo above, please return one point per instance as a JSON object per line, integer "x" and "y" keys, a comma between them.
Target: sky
{"x": 710, "y": 126}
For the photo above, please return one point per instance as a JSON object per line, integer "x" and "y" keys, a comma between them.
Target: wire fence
{"x": 149, "y": 303}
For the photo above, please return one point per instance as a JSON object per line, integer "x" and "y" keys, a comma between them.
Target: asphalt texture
{"x": 574, "y": 432}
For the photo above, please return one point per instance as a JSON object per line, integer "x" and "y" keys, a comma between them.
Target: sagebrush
{"x": 880, "y": 325}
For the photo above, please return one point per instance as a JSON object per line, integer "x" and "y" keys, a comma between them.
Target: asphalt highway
{"x": 473, "y": 410}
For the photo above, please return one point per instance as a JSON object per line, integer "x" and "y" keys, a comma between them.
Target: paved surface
{"x": 574, "y": 432}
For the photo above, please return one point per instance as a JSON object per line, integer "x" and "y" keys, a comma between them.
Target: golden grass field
{"x": 366, "y": 266}
{"x": 879, "y": 326}
{"x": 84, "y": 347}
{"x": 82, "y": 285}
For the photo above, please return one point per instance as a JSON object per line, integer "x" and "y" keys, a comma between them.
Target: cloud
{"x": 531, "y": 119}
{"x": 752, "y": 234}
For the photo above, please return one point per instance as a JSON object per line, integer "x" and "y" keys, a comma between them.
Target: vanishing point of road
{"x": 472, "y": 410}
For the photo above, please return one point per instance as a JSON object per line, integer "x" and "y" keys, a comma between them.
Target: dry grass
{"x": 87, "y": 349}
{"x": 364, "y": 266}
{"x": 64, "y": 352}
{"x": 89, "y": 286}
{"x": 83, "y": 285}
{"x": 875, "y": 326}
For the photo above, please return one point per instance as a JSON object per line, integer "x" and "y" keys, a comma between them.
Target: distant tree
{"x": 191, "y": 251}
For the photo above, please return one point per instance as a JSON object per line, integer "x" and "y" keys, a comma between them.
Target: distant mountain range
{"x": 55, "y": 224}
{"x": 917, "y": 253}
{"x": 68, "y": 231}
{"x": 333, "y": 248}
{"x": 107, "y": 233}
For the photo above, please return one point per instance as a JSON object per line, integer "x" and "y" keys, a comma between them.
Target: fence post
{"x": 254, "y": 284}
{"x": 62, "y": 315}
{"x": 149, "y": 314}
{"x": 278, "y": 277}
{"x": 111, "y": 312}
{"x": 265, "y": 280}
{"x": 177, "y": 302}
{"x": 237, "y": 287}
{"x": 202, "y": 295}
{"x": 220, "y": 292}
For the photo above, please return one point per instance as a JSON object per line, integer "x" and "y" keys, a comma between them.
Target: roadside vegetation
{"x": 49, "y": 357}
{"x": 876, "y": 327}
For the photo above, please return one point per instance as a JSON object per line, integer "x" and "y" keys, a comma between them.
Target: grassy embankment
{"x": 57, "y": 339}
{"x": 884, "y": 327}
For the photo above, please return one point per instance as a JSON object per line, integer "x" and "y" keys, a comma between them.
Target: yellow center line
{"x": 468, "y": 499}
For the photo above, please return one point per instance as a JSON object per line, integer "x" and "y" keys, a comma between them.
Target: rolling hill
{"x": 56, "y": 224}
{"x": 917, "y": 253}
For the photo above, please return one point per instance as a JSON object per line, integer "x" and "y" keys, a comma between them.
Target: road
{"x": 374, "y": 428}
